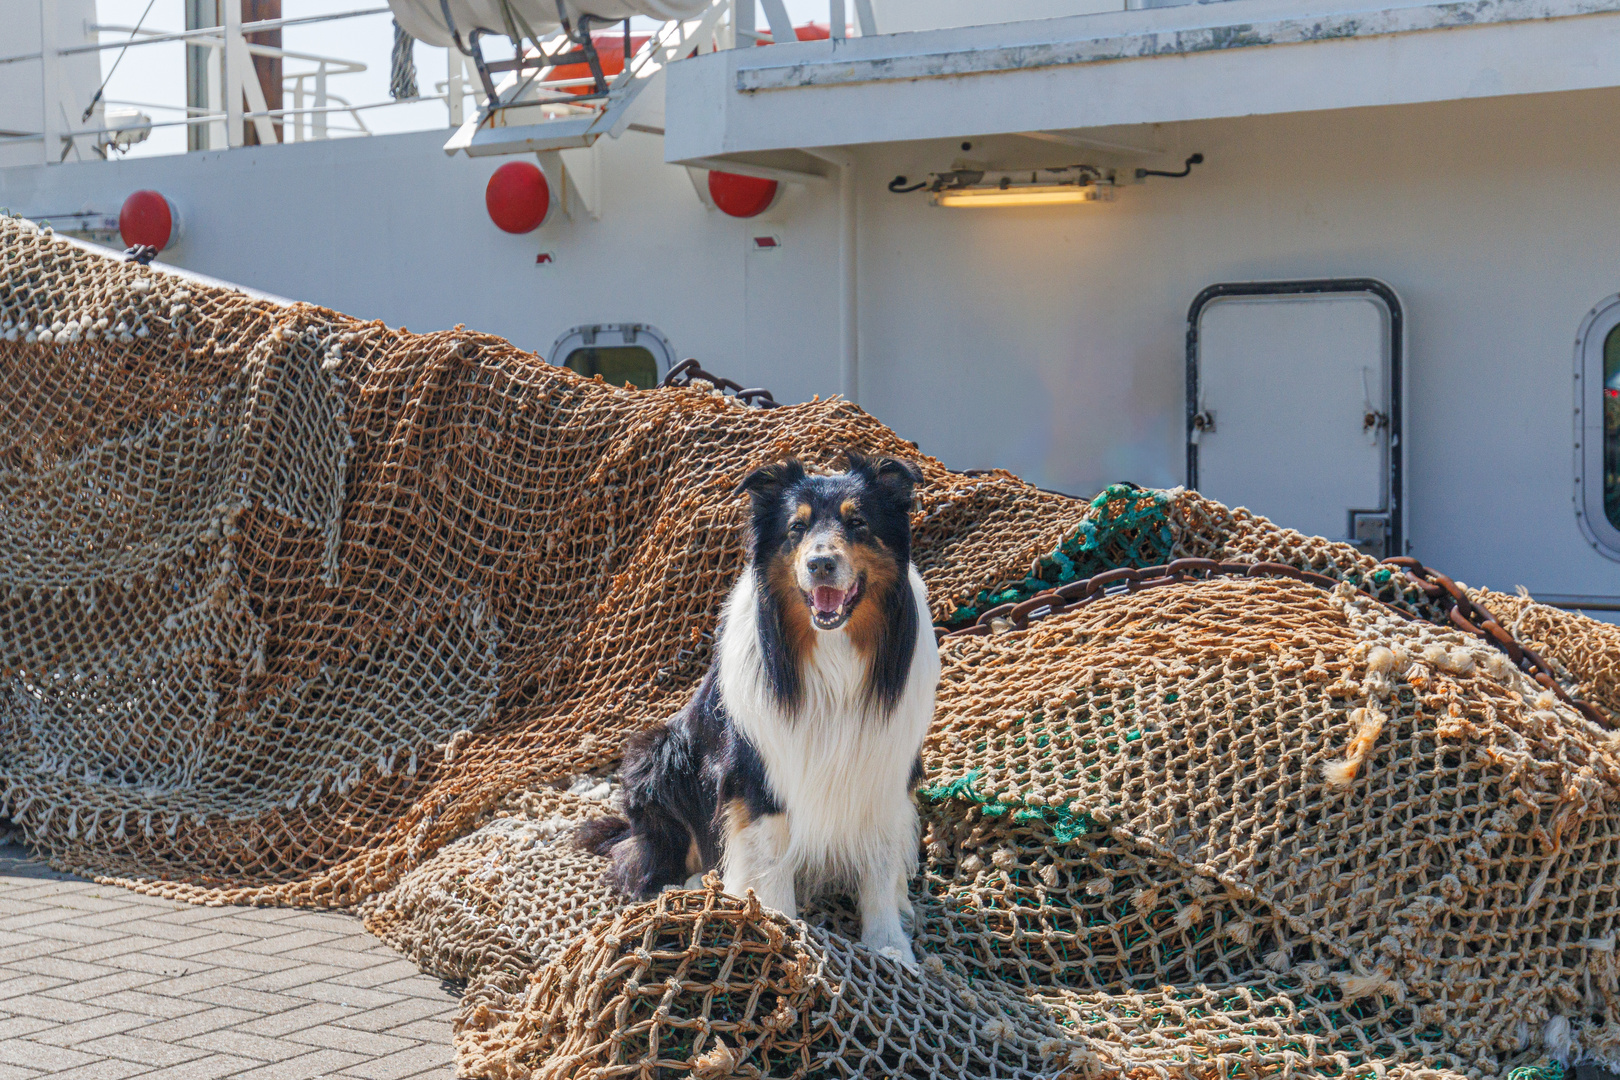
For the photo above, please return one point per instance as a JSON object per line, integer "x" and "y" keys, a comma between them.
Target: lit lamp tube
{"x": 1028, "y": 195}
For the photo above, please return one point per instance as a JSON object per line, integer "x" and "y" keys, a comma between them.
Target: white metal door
{"x": 1296, "y": 414}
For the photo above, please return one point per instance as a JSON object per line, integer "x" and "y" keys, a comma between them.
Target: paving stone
{"x": 13, "y": 1027}
{"x": 10, "y": 907}
{"x": 406, "y": 1063}
{"x": 100, "y": 984}
{"x": 105, "y": 1069}
{"x": 289, "y": 977}
{"x": 260, "y": 1049}
{"x": 32, "y": 947}
{"x": 196, "y": 983}
{"x": 405, "y": 1011}
{"x": 325, "y": 921}
{"x": 17, "y": 983}
{"x": 392, "y": 971}
{"x": 346, "y": 995}
{"x": 320, "y": 1063}
{"x": 211, "y": 1067}
{"x": 284, "y": 943}
{"x": 204, "y": 943}
{"x": 199, "y": 1023}
{"x": 53, "y": 1009}
{"x": 254, "y": 922}
{"x": 334, "y": 1037}
{"x": 192, "y": 913}
{"x": 245, "y": 961}
{"x": 434, "y": 1031}
{"x": 83, "y": 1031}
{"x": 118, "y": 946}
{"x": 326, "y": 954}
{"x": 37, "y": 1055}
{"x": 238, "y": 998}
{"x": 85, "y": 901}
{"x": 59, "y": 968}
{"x": 308, "y": 1015}
{"x": 66, "y": 931}
{"x": 430, "y": 988}
{"x": 157, "y": 1005}
{"x": 145, "y": 1051}
{"x": 150, "y": 928}
{"x": 105, "y": 984}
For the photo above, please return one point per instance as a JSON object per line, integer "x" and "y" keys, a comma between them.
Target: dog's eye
{"x": 797, "y": 529}
{"x": 856, "y": 524}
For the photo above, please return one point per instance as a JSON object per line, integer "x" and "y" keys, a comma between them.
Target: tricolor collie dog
{"x": 791, "y": 768}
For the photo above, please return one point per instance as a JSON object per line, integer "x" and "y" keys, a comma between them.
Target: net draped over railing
{"x": 301, "y": 609}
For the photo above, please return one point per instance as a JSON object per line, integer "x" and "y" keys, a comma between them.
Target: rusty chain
{"x": 689, "y": 369}
{"x": 1463, "y": 614}
{"x": 1473, "y": 618}
{"x": 1128, "y": 579}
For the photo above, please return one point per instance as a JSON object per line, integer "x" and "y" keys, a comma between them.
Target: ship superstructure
{"x": 1349, "y": 264}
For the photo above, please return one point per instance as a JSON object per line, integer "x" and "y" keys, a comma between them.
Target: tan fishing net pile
{"x": 292, "y": 601}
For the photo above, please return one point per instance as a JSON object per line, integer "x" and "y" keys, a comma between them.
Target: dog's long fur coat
{"x": 792, "y": 766}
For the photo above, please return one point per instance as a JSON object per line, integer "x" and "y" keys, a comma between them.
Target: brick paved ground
{"x": 98, "y": 983}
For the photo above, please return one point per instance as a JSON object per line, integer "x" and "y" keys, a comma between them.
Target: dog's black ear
{"x": 898, "y": 478}
{"x": 767, "y": 484}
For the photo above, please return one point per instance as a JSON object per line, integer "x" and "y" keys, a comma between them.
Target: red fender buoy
{"x": 517, "y": 197}
{"x": 147, "y": 218}
{"x": 742, "y": 196}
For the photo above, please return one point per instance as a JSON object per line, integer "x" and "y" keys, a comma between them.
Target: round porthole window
{"x": 1597, "y": 427}
{"x": 621, "y": 353}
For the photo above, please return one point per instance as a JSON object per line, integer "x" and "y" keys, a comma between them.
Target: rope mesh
{"x": 299, "y": 609}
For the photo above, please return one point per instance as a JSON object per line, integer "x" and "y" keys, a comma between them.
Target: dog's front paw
{"x": 900, "y": 954}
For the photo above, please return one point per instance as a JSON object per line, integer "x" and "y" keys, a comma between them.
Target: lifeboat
{"x": 425, "y": 20}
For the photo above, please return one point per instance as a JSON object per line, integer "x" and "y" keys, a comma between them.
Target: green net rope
{"x": 1127, "y": 526}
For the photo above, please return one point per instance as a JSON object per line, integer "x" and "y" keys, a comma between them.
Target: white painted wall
{"x": 1049, "y": 341}
{"x": 391, "y": 228}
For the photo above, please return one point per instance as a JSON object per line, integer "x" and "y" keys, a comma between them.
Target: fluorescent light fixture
{"x": 1025, "y": 195}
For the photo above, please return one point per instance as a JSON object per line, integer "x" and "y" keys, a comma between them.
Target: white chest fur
{"x": 838, "y": 766}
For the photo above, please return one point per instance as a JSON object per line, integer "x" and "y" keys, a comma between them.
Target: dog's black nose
{"x": 822, "y": 566}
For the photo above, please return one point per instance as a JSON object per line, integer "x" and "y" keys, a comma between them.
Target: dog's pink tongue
{"x": 828, "y": 599}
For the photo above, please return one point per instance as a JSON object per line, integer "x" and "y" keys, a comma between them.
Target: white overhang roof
{"x": 1202, "y": 61}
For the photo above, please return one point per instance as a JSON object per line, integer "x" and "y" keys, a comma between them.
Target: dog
{"x": 792, "y": 767}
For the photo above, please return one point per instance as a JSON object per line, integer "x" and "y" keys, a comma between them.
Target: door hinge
{"x": 1203, "y": 423}
{"x": 1369, "y": 532}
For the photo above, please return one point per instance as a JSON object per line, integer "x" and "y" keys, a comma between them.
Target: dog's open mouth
{"x": 830, "y": 606}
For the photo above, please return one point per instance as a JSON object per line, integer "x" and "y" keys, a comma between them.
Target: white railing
{"x": 303, "y": 121}
{"x": 236, "y": 99}
{"x": 745, "y": 20}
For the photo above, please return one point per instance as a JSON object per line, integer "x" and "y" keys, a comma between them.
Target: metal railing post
{"x": 232, "y": 75}
{"x": 849, "y": 326}
{"x": 865, "y": 19}
{"x": 50, "y": 83}
{"x": 453, "y": 86}
{"x": 836, "y": 17}
{"x": 297, "y": 117}
{"x": 318, "y": 121}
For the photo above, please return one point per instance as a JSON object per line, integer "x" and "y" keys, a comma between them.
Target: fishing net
{"x": 300, "y": 609}
{"x": 288, "y": 600}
